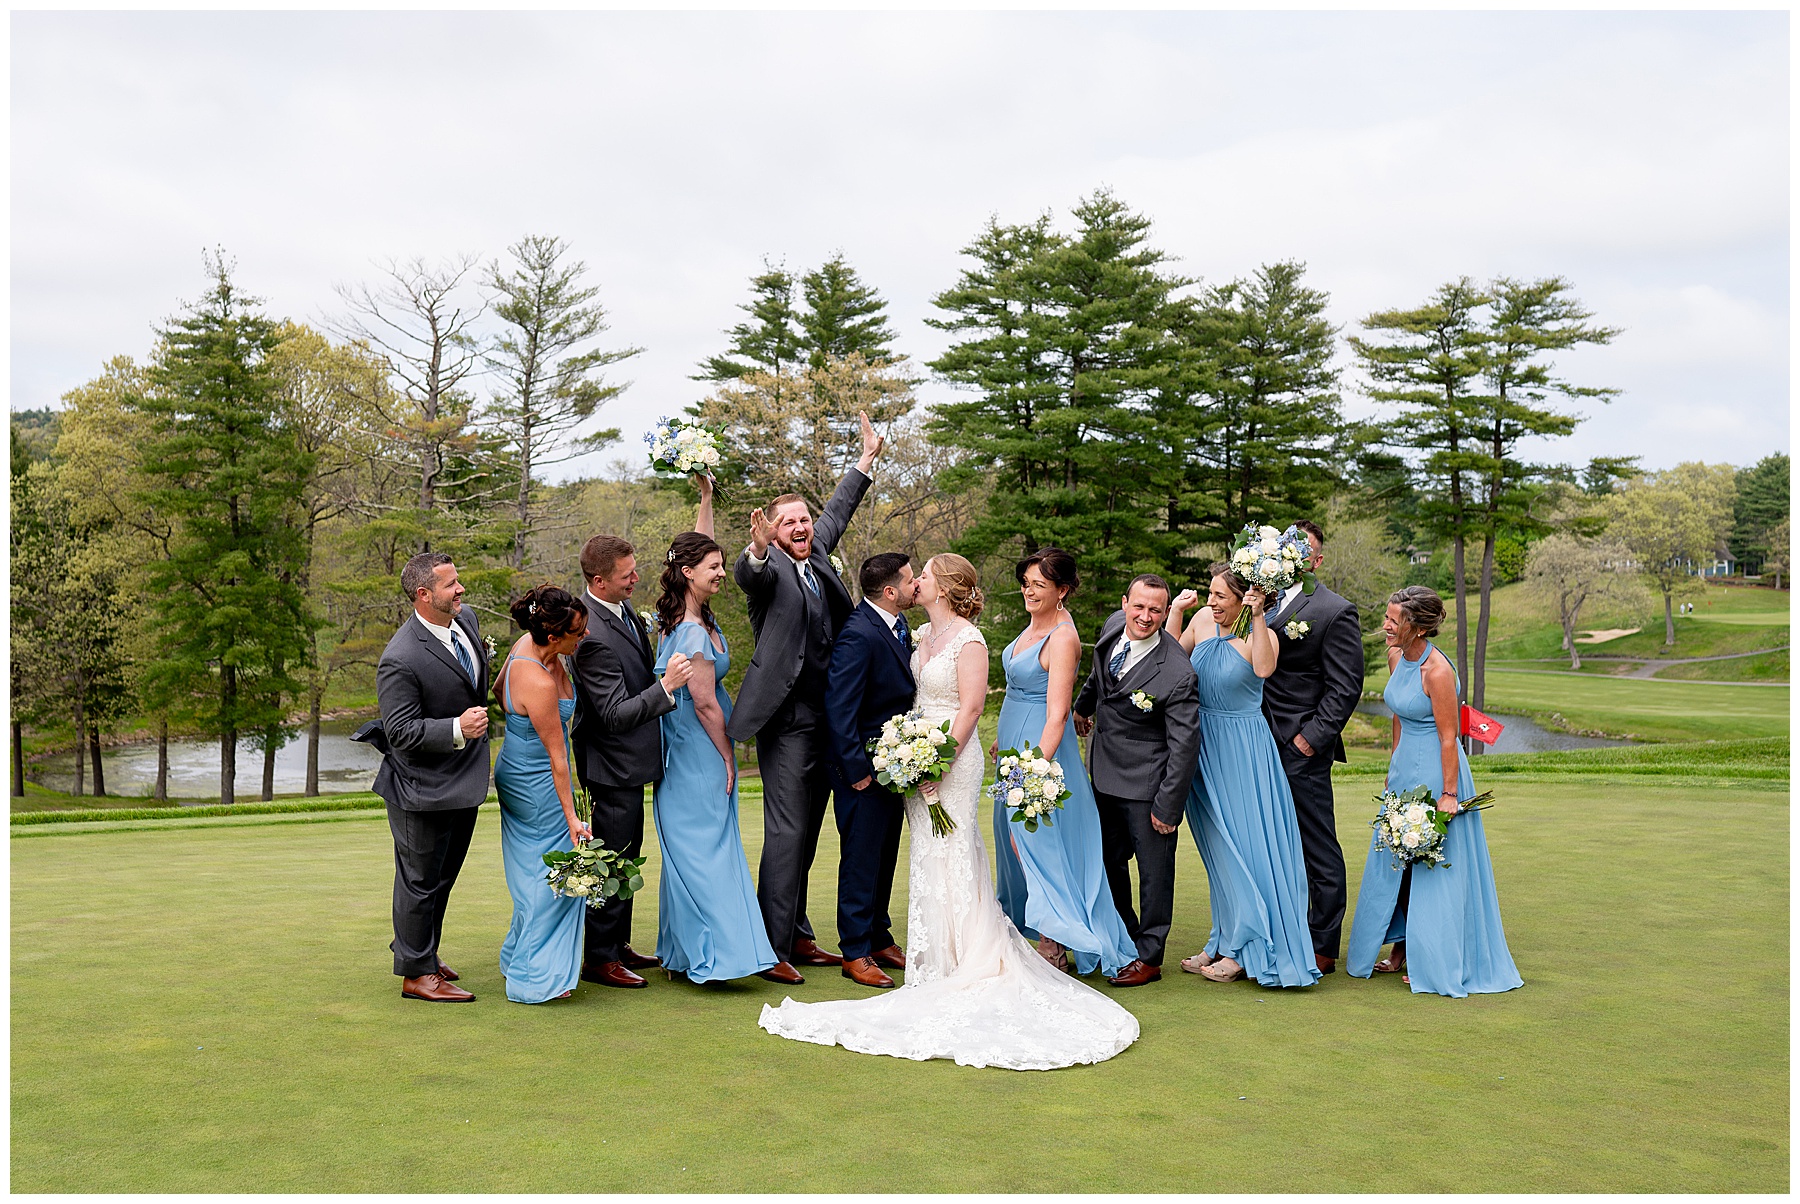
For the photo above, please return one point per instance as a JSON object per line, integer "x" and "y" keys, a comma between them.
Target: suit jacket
{"x": 778, "y": 606}
{"x": 1144, "y": 755}
{"x": 1319, "y": 678}
{"x": 618, "y": 699}
{"x": 422, "y": 689}
{"x": 869, "y": 682}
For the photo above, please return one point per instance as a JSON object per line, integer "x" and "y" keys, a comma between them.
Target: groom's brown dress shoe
{"x": 639, "y": 961}
{"x": 1326, "y": 964}
{"x": 865, "y": 973}
{"x": 893, "y": 957}
{"x": 808, "y": 953}
{"x": 446, "y": 973}
{"x": 1136, "y": 975}
{"x": 611, "y": 974}
{"x": 433, "y": 989}
{"x": 782, "y": 973}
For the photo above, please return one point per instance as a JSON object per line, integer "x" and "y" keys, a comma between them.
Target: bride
{"x": 976, "y": 991}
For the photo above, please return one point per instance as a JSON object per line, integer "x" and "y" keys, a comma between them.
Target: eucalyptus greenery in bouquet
{"x": 682, "y": 446}
{"x": 911, "y": 750}
{"x": 1031, "y": 786}
{"x": 1410, "y": 826}
{"x": 590, "y": 870}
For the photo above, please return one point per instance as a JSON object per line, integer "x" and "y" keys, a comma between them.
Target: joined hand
{"x": 1083, "y": 725}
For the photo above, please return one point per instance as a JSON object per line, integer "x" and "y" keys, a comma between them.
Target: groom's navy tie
{"x": 1118, "y": 658}
{"x": 463, "y": 656}
{"x": 900, "y": 630}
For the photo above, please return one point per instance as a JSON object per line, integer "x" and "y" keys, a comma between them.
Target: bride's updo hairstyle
{"x": 688, "y": 551}
{"x": 1421, "y": 607}
{"x": 1057, "y": 566}
{"x": 1233, "y": 582}
{"x": 958, "y": 582}
{"x": 547, "y": 612}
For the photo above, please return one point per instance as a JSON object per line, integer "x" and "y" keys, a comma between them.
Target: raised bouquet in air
{"x": 911, "y": 750}
{"x": 1410, "y": 826}
{"x": 1030, "y": 784}
{"x": 682, "y": 446}
{"x": 593, "y": 872}
{"x": 1273, "y": 560}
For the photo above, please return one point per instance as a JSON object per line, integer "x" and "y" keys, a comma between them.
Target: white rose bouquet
{"x": 593, "y": 872}
{"x": 1272, "y": 560}
{"x": 1410, "y": 826}
{"x": 911, "y": 750}
{"x": 1031, "y": 784}
{"x": 682, "y": 446}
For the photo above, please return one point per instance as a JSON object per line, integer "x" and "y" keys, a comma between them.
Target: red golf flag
{"x": 1480, "y": 727}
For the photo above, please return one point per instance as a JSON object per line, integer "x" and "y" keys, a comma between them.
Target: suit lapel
{"x": 1136, "y": 674}
{"x": 1287, "y": 614}
{"x": 627, "y": 630}
{"x": 886, "y": 633}
{"x": 436, "y": 647}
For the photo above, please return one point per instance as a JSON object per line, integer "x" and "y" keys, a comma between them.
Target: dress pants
{"x": 790, "y": 753}
{"x": 1125, "y": 832}
{"x": 618, "y": 823}
{"x": 1326, "y": 883}
{"x": 868, "y": 823}
{"x": 429, "y": 847}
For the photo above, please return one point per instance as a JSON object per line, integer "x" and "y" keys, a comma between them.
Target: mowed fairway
{"x": 230, "y": 1023}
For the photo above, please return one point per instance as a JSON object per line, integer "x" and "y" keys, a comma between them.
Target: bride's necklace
{"x": 934, "y": 643}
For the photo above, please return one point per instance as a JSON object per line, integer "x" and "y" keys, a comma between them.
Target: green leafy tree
{"x": 843, "y": 316}
{"x": 771, "y": 341}
{"x": 550, "y": 372}
{"x": 1674, "y": 522}
{"x": 1761, "y": 502}
{"x": 226, "y": 600}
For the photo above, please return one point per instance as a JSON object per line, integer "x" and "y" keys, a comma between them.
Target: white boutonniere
{"x": 836, "y": 564}
{"x": 649, "y": 618}
{"x": 493, "y": 651}
{"x": 1297, "y": 629}
{"x": 1143, "y": 701}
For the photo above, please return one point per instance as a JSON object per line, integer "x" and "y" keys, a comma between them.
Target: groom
{"x": 1141, "y": 701}
{"x": 797, "y": 604}
{"x": 870, "y": 681}
{"x": 1317, "y": 683}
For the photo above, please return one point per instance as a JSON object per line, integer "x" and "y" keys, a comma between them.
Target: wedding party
{"x": 757, "y": 601}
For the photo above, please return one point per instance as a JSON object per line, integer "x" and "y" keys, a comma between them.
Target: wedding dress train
{"x": 975, "y": 991}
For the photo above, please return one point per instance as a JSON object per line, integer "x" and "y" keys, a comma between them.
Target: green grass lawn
{"x": 1726, "y": 620}
{"x": 230, "y": 1023}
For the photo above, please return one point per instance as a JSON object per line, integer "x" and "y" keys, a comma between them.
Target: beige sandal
{"x": 1394, "y": 962}
{"x": 1216, "y": 972}
{"x": 1198, "y": 962}
{"x": 1053, "y": 953}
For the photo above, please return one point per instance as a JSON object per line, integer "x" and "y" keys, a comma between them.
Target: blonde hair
{"x": 958, "y": 582}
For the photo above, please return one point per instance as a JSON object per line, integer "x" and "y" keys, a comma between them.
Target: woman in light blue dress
{"x": 541, "y": 956}
{"x": 1444, "y": 921}
{"x": 1240, "y": 807}
{"x": 709, "y": 926}
{"x": 1052, "y": 882}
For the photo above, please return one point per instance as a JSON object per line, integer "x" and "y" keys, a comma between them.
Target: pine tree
{"x": 772, "y": 341}
{"x": 843, "y": 316}
{"x": 229, "y": 475}
{"x": 1761, "y": 503}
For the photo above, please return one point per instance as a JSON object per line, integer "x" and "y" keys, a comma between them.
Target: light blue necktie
{"x": 463, "y": 656}
{"x": 1118, "y": 658}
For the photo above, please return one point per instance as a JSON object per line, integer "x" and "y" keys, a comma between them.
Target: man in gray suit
{"x": 797, "y": 604}
{"x": 1141, "y": 702}
{"x": 432, "y": 686}
{"x": 617, "y": 739}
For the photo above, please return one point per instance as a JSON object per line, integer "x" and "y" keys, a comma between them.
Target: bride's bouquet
{"x": 909, "y": 751}
{"x": 1030, "y": 784}
{"x": 1410, "y": 826}
{"x": 682, "y": 446}
{"x": 1273, "y": 560}
{"x": 594, "y": 872}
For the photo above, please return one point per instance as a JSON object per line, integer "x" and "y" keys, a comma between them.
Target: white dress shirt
{"x": 450, "y": 635}
{"x": 892, "y": 621}
{"x": 756, "y": 564}
{"x": 1139, "y": 650}
{"x": 1287, "y": 597}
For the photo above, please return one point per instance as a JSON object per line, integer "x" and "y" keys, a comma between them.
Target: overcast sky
{"x": 1642, "y": 155}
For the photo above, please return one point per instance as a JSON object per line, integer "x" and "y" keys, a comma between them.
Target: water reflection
{"x": 344, "y": 767}
{"x": 1522, "y": 734}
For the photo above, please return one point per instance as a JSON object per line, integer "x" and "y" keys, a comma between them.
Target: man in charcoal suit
{"x": 617, "y": 739}
{"x": 870, "y": 681}
{"x": 1317, "y": 683}
{"x": 431, "y": 683}
{"x": 797, "y": 605}
{"x": 1141, "y": 702}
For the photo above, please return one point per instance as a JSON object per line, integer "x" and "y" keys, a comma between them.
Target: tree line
{"x": 207, "y": 542}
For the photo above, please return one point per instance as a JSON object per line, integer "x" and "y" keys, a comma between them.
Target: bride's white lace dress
{"x": 975, "y": 990}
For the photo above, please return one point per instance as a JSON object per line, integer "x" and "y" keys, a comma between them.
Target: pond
{"x": 1522, "y": 735}
{"x": 344, "y": 767}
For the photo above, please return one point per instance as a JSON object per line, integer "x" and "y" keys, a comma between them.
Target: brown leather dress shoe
{"x": 446, "y": 973}
{"x": 782, "y": 973}
{"x": 634, "y": 960}
{"x": 1326, "y": 964}
{"x": 611, "y": 974}
{"x": 893, "y": 957}
{"x": 865, "y": 973}
{"x": 807, "y": 953}
{"x": 1136, "y": 974}
{"x": 433, "y": 989}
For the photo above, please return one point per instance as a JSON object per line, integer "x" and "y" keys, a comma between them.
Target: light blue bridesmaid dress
{"x": 708, "y": 923}
{"x": 1451, "y": 924}
{"x": 1241, "y": 812}
{"x": 1052, "y": 882}
{"x": 541, "y": 956}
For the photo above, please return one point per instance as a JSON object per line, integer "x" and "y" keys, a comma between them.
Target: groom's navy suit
{"x": 869, "y": 682}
